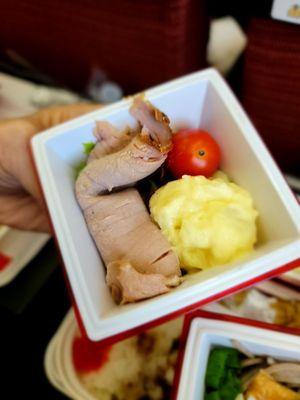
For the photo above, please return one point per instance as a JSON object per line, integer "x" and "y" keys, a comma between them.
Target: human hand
{"x": 21, "y": 202}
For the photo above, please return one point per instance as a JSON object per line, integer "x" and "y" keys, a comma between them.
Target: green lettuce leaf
{"x": 87, "y": 148}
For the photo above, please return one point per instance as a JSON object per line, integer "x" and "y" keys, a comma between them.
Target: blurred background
{"x": 62, "y": 51}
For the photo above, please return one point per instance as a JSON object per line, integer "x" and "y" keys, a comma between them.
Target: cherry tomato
{"x": 194, "y": 152}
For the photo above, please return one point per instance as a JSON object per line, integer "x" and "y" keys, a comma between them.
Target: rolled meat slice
{"x": 122, "y": 229}
{"x": 127, "y": 285}
{"x": 139, "y": 259}
{"x": 122, "y": 168}
{"x": 109, "y": 140}
{"x": 154, "y": 122}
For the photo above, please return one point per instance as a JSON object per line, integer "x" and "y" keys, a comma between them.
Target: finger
{"x": 16, "y": 163}
{"x": 15, "y": 143}
{"x": 51, "y": 116}
{"x": 16, "y": 168}
{"x": 22, "y": 212}
{"x": 44, "y": 119}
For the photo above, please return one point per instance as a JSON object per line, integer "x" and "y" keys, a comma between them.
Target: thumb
{"x": 17, "y": 136}
{"x": 44, "y": 119}
{"x": 51, "y": 116}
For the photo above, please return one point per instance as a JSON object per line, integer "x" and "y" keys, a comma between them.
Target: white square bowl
{"x": 198, "y": 100}
{"x": 204, "y": 334}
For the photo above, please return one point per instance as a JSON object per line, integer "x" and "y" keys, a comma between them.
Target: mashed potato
{"x": 208, "y": 221}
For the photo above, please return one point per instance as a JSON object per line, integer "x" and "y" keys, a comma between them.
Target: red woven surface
{"x": 271, "y": 87}
{"x": 137, "y": 43}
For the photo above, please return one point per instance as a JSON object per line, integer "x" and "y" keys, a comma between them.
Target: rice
{"x": 138, "y": 367}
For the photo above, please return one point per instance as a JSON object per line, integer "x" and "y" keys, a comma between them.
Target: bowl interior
{"x": 206, "y": 334}
{"x": 205, "y": 103}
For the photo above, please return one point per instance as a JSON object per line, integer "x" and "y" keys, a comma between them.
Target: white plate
{"x": 201, "y": 99}
{"x": 64, "y": 360}
{"x": 58, "y": 360}
{"x": 3, "y": 230}
{"x": 50, "y": 366}
{"x": 21, "y": 247}
{"x": 54, "y": 360}
{"x": 204, "y": 334}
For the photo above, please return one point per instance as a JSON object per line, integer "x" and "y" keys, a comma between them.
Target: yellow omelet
{"x": 263, "y": 387}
